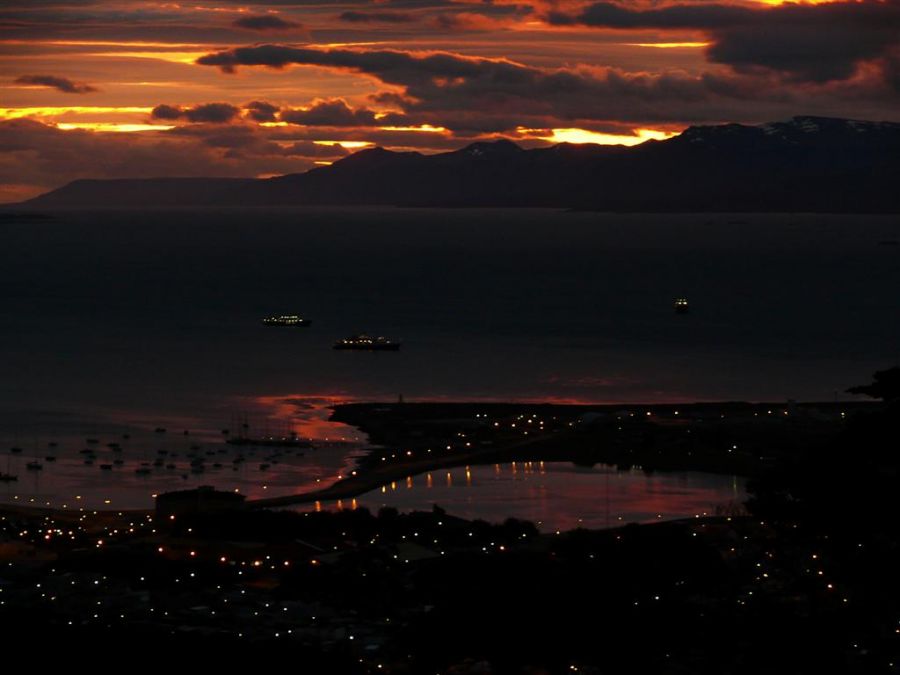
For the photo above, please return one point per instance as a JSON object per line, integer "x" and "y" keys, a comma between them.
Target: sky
{"x": 129, "y": 88}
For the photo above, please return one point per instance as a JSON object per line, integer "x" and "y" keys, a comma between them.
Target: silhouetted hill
{"x": 125, "y": 192}
{"x": 804, "y": 164}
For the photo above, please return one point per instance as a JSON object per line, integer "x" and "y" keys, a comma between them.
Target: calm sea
{"x": 120, "y": 322}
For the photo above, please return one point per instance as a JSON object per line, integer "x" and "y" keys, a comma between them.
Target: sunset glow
{"x": 53, "y": 112}
{"x": 670, "y": 45}
{"x": 350, "y": 145}
{"x": 467, "y": 337}
{"x": 285, "y": 80}
{"x": 425, "y": 128}
{"x": 112, "y": 126}
{"x": 585, "y": 136}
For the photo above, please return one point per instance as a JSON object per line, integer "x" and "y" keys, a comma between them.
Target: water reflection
{"x": 559, "y": 495}
{"x": 120, "y": 464}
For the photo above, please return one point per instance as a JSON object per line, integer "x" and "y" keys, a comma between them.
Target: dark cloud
{"x": 331, "y": 113}
{"x": 699, "y": 16}
{"x": 437, "y": 87}
{"x": 464, "y": 22}
{"x": 805, "y": 42}
{"x": 376, "y": 17}
{"x": 261, "y": 111}
{"x": 231, "y": 136}
{"x": 250, "y": 142}
{"x": 62, "y": 84}
{"x": 266, "y": 22}
{"x": 167, "y": 112}
{"x": 216, "y": 113}
{"x": 443, "y": 82}
{"x": 62, "y": 3}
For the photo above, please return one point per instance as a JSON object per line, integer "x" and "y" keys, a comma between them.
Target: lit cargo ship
{"x": 286, "y": 320}
{"x": 367, "y": 343}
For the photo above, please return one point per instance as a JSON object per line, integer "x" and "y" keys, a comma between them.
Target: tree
{"x": 886, "y": 386}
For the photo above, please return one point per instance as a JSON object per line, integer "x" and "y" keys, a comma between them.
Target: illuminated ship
{"x": 286, "y": 320}
{"x": 367, "y": 343}
{"x": 681, "y": 305}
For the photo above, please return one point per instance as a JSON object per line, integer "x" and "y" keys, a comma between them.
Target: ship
{"x": 681, "y": 305}
{"x": 286, "y": 320}
{"x": 7, "y": 478}
{"x": 367, "y": 343}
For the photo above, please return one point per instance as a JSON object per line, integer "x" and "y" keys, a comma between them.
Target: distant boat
{"x": 365, "y": 342}
{"x": 7, "y": 478}
{"x": 681, "y": 306}
{"x": 34, "y": 466}
{"x": 15, "y": 451}
{"x": 286, "y": 320}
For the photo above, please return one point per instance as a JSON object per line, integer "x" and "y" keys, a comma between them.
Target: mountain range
{"x": 813, "y": 164}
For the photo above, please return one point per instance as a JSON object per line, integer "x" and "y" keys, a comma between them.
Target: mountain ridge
{"x": 807, "y": 163}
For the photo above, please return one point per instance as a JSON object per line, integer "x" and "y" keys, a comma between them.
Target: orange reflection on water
{"x": 559, "y": 495}
{"x": 307, "y": 415}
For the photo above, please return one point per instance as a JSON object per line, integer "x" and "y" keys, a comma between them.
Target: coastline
{"x": 725, "y": 437}
{"x": 729, "y": 437}
{"x": 279, "y": 579}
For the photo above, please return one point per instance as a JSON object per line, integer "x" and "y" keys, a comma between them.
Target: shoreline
{"x": 649, "y": 436}
{"x": 408, "y": 439}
